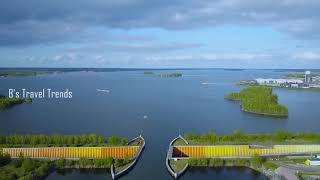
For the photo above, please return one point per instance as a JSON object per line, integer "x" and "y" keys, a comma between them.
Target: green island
{"x": 148, "y": 73}
{"x": 7, "y": 103}
{"x": 24, "y": 168}
{"x": 163, "y": 75}
{"x": 22, "y": 72}
{"x": 171, "y": 75}
{"x": 259, "y": 100}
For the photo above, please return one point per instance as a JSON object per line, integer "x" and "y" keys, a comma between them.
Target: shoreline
{"x": 279, "y": 87}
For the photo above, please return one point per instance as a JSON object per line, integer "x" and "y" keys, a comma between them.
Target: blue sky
{"x": 160, "y": 34}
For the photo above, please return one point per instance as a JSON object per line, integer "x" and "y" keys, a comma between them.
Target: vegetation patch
{"x": 236, "y": 137}
{"x": 178, "y": 165}
{"x": 148, "y": 73}
{"x": 7, "y": 103}
{"x": 22, "y": 73}
{"x": 259, "y": 100}
{"x": 171, "y": 75}
{"x": 57, "y": 140}
{"x": 27, "y": 168}
{"x": 179, "y": 142}
{"x": 270, "y": 165}
{"x": 255, "y": 162}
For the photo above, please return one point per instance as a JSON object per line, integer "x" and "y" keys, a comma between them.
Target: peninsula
{"x": 7, "y": 103}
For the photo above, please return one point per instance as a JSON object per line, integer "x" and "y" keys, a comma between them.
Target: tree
{"x": 83, "y": 163}
{"x": 28, "y": 165}
{"x": 59, "y": 164}
{"x": 192, "y": 162}
{"x": 4, "y": 159}
{"x": 215, "y": 162}
{"x": 118, "y": 162}
{"x": 256, "y": 161}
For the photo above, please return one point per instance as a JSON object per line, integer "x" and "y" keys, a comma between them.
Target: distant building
{"x": 307, "y": 77}
{"x": 313, "y": 162}
{"x": 314, "y": 85}
{"x": 278, "y": 81}
{"x": 248, "y": 82}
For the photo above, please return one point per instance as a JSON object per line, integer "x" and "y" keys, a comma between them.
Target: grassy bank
{"x": 259, "y": 100}
{"x": 178, "y": 165}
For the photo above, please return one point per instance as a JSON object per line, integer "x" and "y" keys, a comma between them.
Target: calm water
{"x": 171, "y": 104}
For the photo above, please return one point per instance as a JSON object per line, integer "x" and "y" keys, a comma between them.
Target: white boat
{"x": 103, "y": 90}
{"x": 206, "y": 83}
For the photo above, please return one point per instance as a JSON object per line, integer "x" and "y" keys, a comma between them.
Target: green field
{"x": 178, "y": 165}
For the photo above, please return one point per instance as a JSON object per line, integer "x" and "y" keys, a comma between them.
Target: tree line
{"x": 16, "y": 140}
{"x": 170, "y": 75}
{"x": 236, "y": 137}
{"x": 254, "y": 162}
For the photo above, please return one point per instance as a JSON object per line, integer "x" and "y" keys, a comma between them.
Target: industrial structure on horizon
{"x": 306, "y": 82}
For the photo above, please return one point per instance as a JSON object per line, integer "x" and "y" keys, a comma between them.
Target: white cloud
{"x": 307, "y": 56}
{"x": 61, "y": 20}
{"x": 216, "y": 56}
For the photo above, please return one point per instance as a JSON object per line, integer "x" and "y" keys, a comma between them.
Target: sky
{"x": 264, "y": 34}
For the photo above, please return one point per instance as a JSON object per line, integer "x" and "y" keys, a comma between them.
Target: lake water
{"x": 172, "y": 105}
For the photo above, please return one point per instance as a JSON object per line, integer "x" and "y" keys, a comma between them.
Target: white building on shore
{"x": 278, "y": 81}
